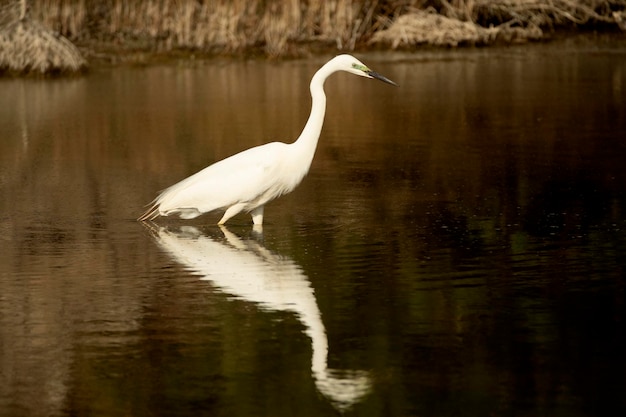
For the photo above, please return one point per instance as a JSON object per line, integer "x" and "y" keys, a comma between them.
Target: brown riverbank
{"x": 117, "y": 30}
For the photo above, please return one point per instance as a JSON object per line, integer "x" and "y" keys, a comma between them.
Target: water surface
{"x": 455, "y": 250}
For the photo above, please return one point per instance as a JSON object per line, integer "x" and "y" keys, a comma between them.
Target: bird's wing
{"x": 239, "y": 178}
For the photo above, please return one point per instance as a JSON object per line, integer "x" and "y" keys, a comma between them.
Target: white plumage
{"x": 246, "y": 181}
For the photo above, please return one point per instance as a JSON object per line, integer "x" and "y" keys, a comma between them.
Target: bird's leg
{"x": 231, "y": 211}
{"x": 257, "y": 215}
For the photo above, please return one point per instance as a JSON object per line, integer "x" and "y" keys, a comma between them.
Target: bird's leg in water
{"x": 231, "y": 211}
{"x": 257, "y": 215}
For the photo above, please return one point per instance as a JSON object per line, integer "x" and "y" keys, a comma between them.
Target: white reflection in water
{"x": 248, "y": 270}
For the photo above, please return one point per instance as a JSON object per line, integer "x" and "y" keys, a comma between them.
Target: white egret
{"x": 248, "y": 180}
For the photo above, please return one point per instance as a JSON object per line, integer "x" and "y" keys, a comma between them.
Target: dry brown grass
{"x": 292, "y": 27}
{"x": 277, "y": 27}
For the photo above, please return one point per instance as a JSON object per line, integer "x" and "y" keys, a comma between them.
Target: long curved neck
{"x": 307, "y": 141}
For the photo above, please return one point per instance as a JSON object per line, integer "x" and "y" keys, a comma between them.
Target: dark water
{"x": 456, "y": 250}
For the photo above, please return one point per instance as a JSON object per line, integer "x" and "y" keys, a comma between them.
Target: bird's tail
{"x": 150, "y": 214}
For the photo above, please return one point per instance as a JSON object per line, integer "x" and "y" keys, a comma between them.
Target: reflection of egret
{"x": 248, "y": 270}
{"x": 248, "y": 180}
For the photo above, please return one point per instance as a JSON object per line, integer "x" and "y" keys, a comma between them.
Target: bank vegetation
{"x": 120, "y": 29}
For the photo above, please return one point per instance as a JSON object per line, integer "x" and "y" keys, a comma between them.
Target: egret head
{"x": 352, "y": 65}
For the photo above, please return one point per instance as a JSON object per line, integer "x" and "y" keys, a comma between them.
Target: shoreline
{"x": 58, "y": 37}
{"x": 140, "y": 57}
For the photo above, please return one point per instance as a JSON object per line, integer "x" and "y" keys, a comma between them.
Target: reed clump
{"x": 482, "y": 22}
{"x": 26, "y": 46}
